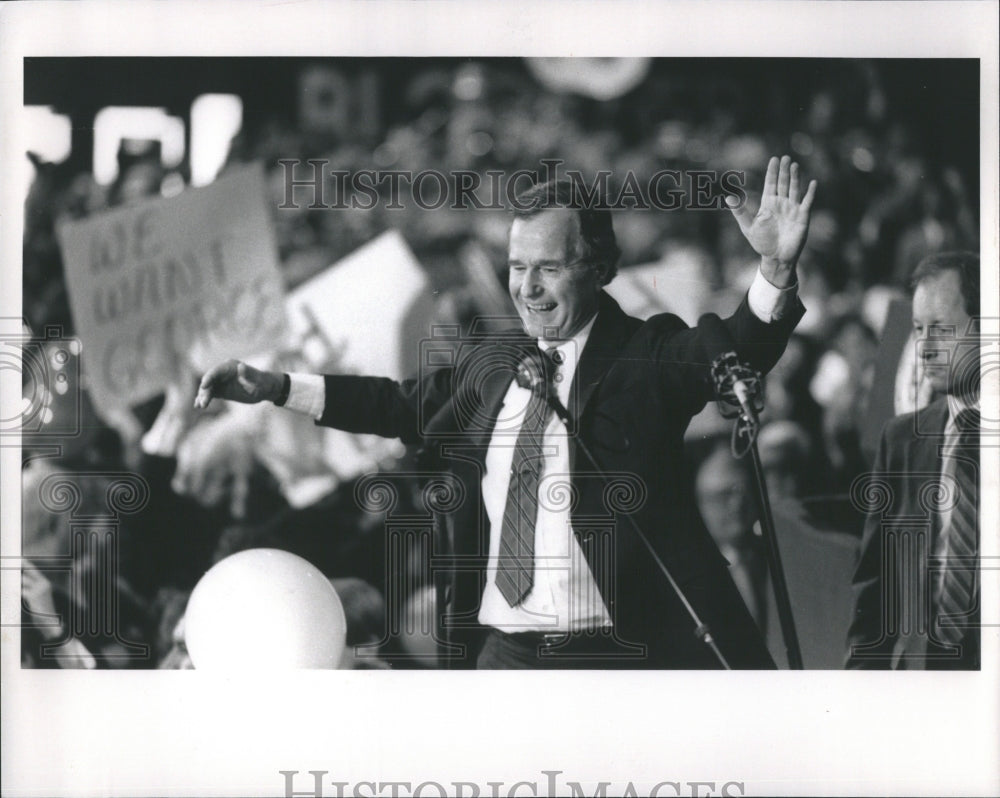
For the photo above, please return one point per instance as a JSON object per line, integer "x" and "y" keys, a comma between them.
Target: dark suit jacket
{"x": 636, "y": 388}
{"x": 892, "y": 583}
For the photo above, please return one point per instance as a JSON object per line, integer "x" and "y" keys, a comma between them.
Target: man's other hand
{"x": 778, "y": 231}
{"x": 238, "y": 382}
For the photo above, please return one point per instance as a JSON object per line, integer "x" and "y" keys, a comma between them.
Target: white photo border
{"x": 784, "y": 733}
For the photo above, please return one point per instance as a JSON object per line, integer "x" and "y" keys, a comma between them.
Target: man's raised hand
{"x": 238, "y": 382}
{"x": 778, "y": 231}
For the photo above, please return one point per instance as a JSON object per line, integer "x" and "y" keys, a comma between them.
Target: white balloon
{"x": 264, "y": 609}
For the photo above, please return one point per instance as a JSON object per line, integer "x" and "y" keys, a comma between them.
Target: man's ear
{"x": 603, "y": 273}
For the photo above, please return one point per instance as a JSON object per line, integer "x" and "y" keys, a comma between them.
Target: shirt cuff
{"x": 768, "y": 302}
{"x": 307, "y": 394}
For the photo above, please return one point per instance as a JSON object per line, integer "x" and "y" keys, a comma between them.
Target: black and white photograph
{"x": 355, "y": 355}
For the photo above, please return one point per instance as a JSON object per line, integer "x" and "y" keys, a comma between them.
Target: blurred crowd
{"x": 889, "y": 194}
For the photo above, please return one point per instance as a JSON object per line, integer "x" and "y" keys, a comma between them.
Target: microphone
{"x": 739, "y": 385}
{"x": 529, "y": 376}
{"x": 735, "y": 384}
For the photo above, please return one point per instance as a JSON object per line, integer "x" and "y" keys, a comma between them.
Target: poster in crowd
{"x": 170, "y": 286}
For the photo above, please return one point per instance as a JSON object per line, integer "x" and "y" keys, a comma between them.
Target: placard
{"x": 172, "y": 285}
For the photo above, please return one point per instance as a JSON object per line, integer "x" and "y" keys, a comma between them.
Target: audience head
{"x": 725, "y": 497}
{"x": 945, "y": 321}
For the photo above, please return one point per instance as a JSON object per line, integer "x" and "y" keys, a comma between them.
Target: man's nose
{"x": 531, "y": 284}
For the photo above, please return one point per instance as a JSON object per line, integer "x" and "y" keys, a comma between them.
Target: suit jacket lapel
{"x": 486, "y": 387}
{"x": 928, "y": 437}
{"x": 492, "y": 380}
{"x": 608, "y": 336}
{"x": 928, "y": 442}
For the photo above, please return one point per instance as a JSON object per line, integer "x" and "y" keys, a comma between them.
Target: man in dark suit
{"x": 916, "y": 584}
{"x": 543, "y": 567}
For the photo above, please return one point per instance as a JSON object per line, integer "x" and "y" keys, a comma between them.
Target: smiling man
{"x": 916, "y": 585}
{"x": 544, "y": 570}
{"x": 560, "y": 258}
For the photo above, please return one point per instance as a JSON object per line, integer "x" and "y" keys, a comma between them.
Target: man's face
{"x": 947, "y": 351}
{"x": 724, "y": 499}
{"x": 554, "y": 293}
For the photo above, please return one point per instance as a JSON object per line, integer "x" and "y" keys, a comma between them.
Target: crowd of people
{"x": 890, "y": 194}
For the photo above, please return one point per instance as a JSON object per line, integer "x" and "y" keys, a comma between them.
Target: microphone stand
{"x": 701, "y": 630}
{"x": 748, "y": 425}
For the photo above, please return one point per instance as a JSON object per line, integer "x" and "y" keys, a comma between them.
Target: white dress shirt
{"x": 564, "y": 595}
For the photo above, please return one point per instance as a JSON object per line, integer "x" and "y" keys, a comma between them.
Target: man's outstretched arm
{"x": 763, "y": 323}
{"x": 369, "y": 405}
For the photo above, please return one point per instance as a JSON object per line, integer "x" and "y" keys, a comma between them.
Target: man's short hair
{"x": 596, "y": 231}
{"x": 967, "y": 266}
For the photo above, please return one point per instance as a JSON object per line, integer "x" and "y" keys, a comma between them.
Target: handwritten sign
{"x": 173, "y": 285}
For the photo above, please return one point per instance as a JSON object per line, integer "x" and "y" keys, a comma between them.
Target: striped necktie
{"x": 516, "y": 562}
{"x": 955, "y": 597}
